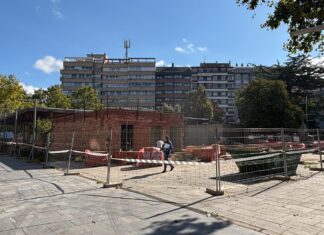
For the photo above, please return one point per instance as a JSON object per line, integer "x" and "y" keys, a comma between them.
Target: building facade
{"x": 137, "y": 83}
{"x": 218, "y": 81}
{"x": 221, "y": 81}
{"x": 242, "y": 78}
{"x": 173, "y": 85}
{"x": 131, "y": 130}
{"x": 120, "y": 82}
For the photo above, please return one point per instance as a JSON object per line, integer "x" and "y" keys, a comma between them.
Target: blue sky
{"x": 36, "y": 35}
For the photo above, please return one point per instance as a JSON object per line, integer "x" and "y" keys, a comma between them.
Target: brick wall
{"x": 92, "y": 129}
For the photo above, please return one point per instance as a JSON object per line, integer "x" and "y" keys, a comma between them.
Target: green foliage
{"x": 302, "y": 79}
{"x": 298, "y": 15}
{"x": 12, "y": 94}
{"x": 44, "y": 126}
{"x": 297, "y": 73}
{"x": 177, "y": 108}
{"x": 40, "y": 94}
{"x": 53, "y": 97}
{"x": 57, "y": 99}
{"x": 167, "y": 108}
{"x": 198, "y": 105}
{"x": 85, "y": 98}
{"x": 266, "y": 103}
{"x": 218, "y": 113}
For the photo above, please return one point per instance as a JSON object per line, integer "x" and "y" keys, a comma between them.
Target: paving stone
{"x": 13, "y": 232}
{"x": 6, "y": 224}
{"x": 37, "y": 230}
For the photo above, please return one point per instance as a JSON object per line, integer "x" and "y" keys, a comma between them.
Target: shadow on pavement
{"x": 183, "y": 225}
{"x": 132, "y": 167}
{"x": 143, "y": 176}
{"x": 121, "y": 198}
{"x": 18, "y": 164}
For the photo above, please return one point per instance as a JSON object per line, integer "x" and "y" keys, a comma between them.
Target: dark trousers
{"x": 166, "y": 158}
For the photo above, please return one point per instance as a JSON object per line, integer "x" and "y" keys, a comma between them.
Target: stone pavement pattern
{"x": 289, "y": 207}
{"x": 43, "y": 201}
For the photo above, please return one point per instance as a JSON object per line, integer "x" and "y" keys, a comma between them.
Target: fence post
{"x": 284, "y": 157}
{"x": 319, "y": 148}
{"x": 218, "y": 190}
{"x": 16, "y": 139}
{"x": 34, "y": 129}
{"x": 70, "y": 156}
{"x": 48, "y": 141}
{"x": 108, "y": 184}
{"x": 31, "y": 154}
{"x": 18, "y": 155}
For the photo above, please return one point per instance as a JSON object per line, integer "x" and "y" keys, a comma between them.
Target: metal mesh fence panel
{"x": 260, "y": 158}
{"x": 247, "y": 159}
{"x": 137, "y": 160}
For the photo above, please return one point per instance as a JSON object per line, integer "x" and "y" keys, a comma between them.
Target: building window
{"x": 126, "y": 141}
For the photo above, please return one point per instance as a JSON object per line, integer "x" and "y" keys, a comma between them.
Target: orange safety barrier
{"x": 208, "y": 153}
{"x": 92, "y": 160}
{"x": 150, "y": 153}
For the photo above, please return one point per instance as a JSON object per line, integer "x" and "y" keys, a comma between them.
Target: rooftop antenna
{"x": 126, "y": 46}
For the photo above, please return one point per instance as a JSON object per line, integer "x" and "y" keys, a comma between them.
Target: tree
{"x": 298, "y": 15}
{"x": 12, "y": 94}
{"x": 57, "y": 99}
{"x": 265, "y": 103}
{"x": 302, "y": 78}
{"x": 177, "y": 108}
{"x": 44, "y": 126}
{"x": 218, "y": 113}
{"x": 40, "y": 94}
{"x": 298, "y": 73}
{"x": 198, "y": 105}
{"x": 85, "y": 98}
{"x": 53, "y": 97}
{"x": 167, "y": 108}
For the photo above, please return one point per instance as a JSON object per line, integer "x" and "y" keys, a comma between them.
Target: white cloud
{"x": 318, "y": 61}
{"x": 30, "y": 89}
{"x": 185, "y": 40}
{"x": 202, "y": 49}
{"x": 49, "y": 64}
{"x": 181, "y": 50}
{"x": 162, "y": 63}
{"x": 56, "y": 10}
{"x": 57, "y": 14}
{"x": 189, "y": 47}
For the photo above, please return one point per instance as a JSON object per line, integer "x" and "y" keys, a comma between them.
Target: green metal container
{"x": 264, "y": 163}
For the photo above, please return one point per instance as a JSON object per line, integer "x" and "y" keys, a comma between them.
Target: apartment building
{"x": 243, "y": 76}
{"x": 173, "y": 85}
{"x": 218, "y": 80}
{"x": 221, "y": 81}
{"x": 128, "y": 82}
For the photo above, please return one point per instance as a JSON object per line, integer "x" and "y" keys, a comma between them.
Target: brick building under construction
{"x": 131, "y": 130}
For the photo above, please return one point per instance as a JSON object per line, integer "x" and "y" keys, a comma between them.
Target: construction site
{"x": 118, "y": 148}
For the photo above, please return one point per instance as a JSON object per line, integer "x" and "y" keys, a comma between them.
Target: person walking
{"x": 167, "y": 150}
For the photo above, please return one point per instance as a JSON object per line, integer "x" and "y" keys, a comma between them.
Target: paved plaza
{"x": 34, "y": 200}
{"x": 271, "y": 207}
